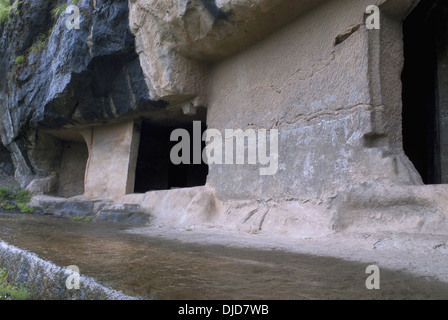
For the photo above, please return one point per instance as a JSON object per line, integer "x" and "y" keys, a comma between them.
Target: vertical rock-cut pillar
{"x": 110, "y": 171}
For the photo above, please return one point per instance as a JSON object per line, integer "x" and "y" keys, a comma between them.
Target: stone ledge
{"x": 95, "y": 209}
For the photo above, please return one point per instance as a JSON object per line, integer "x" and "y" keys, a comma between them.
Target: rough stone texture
{"x": 335, "y": 130}
{"x": 310, "y": 69}
{"x": 181, "y": 207}
{"x": 371, "y": 209}
{"x": 177, "y": 39}
{"x": 46, "y": 185}
{"x": 107, "y": 177}
{"x": 81, "y": 76}
{"x": 95, "y": 209}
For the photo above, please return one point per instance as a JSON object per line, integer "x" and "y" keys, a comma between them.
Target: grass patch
{"x": 10, "y": 207}
{"x": 6, "y": 7}
{"x": 9, "y": 291}
{"x": 5, "y": 192}
{"x": 5, "y": 10}
{"x": 58, "y": 9}
{"x": 79, "y": 218}
{"x": 22, "y": 196}
{"x": 25, "y": 209}
{"x": 39, "y": 44}
{"x": 16, "y": 198}
{"x": 19, "y": 60}
{"x": 16, "y": 5}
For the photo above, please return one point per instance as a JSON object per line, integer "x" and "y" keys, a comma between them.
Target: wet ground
{"x": 154, "y": 267}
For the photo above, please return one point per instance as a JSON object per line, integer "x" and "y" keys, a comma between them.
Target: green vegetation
{"x": 58, "y": 9}
{"x": 50, "y": 31}
{"x": 22, "y": 195}
{"x": 40, "y": 41}
{"x": 15, "y": 199}
{"x": 5, "y": 192}
{"x": 15, "y": 6}
{"x": 39, "y": 44}
{"x": 25, "y": 209}
{"x": 79, "y": 218}
{"x": 10, "y": 292}
{"x": 10, "y": 207}
{"x": 19, "y": 60}
{"x": 5, "y": 10}
{"x": 15, "y": 193}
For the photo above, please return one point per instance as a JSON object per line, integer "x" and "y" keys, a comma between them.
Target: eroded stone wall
{"x": 336, "y": 130}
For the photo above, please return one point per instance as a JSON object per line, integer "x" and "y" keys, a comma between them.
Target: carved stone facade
{"x": 312, "y": 69}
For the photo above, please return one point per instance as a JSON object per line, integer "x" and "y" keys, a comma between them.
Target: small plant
{"x": 16, "y": 198}
{"x": 12, "y": 192}
{"x": 5, "y": 192}
{"x": 58, "y": 9}
{"x": 50, "y": 31}
{"x": 15, "y": 6}
{"x": 39, "y": 44}
{"x": 5, "y": 10}
{"x": 25, "y": 209}
{"x": 79, "y": 218}
{"x": 9, "y": 291}
{"x": 19, "y": 60}
{"x": 22, "y": 196}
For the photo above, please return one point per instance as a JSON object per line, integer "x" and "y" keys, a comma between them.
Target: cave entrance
{"x": 154, "y": 169}
{"x": 425, "y": 85}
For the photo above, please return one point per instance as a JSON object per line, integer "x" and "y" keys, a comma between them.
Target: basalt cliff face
{"x": 75, "y": 77}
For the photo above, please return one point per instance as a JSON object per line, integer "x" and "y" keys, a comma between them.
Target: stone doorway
{"x": 425, "y": 90}
{"x": 154, "y": 169}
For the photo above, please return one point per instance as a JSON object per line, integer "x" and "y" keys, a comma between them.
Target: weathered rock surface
{"x": 92, "y": 209}
{"x": 330, "y": 86}
{"x": 79, "y": 76}
{"x": 177, "y": 40}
